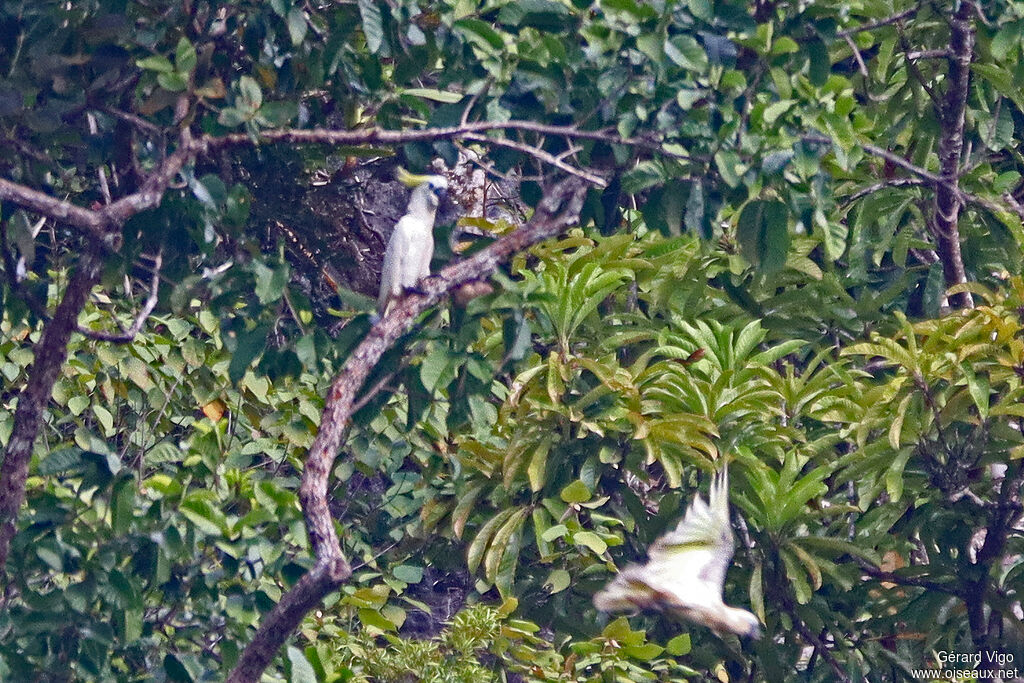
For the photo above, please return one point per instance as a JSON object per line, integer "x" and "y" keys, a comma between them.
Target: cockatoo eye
{"x": 439, "y": 190}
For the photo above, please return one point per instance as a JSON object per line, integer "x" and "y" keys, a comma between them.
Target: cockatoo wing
{"x": 424, "y": 252}
{"x": 701, "y": 546}
{"x": 401, "y": 259}
{"x": 686, "y": 566}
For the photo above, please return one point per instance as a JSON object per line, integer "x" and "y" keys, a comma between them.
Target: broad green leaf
{"x": 300, "y": 668}
{"x": 576, "y": 492}
{"x": 590, "y": 540}
{"x": 297, "y": 25}
{"x": 763, "y": 234}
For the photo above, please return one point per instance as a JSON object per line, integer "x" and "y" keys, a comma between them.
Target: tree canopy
{"x": 782, "y": 236}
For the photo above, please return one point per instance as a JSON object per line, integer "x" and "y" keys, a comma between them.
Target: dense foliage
{"x": 766, "y": 280}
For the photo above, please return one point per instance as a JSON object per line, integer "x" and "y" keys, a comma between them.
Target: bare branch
{"x": 540, "y": 154}
{"x": 891, "y": 157}
{"x": 927, "y": 54}
{"x": 821, "y": 648}
{"x": 871, "y": 189}
{"x": 914, "y": 70}
{"x": 128, "y": 334}
{"x": 104, "y": 223}
{"x": 558, "y": 210}
{"x": 878, "y": 23}
{"x": 861, "y": 66}
{"x": 152, "y": 190}
{"x": 917, "y": 582}
{"x": 472, "y": 100}
{"x": 45, "y": 205}
{"x": 135, "y": 121}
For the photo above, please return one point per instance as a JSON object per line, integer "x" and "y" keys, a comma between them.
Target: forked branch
{"x": 558, "y": 210}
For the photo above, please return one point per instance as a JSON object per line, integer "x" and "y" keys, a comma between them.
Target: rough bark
{"x": 49, "y": 355}
{"x": 558, "y": 210}
{"x": 948, "y": 201}
{"x": 102, "y": 228}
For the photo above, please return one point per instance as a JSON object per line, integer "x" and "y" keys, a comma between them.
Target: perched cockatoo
{"x": 407, "y": 257}
{"x": 686, "y": 570}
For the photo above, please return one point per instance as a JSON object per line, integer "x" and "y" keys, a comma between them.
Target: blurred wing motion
{"x": 685, "y": 571}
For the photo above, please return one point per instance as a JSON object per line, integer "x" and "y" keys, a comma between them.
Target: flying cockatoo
{"x": 686, "y": 570}
{"x": 407, "y": 258}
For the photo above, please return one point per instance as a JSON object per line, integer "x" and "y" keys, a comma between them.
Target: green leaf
{"x": 156, "y": 63}
{"x": 301, "y": 671}
{"x": 642, "y": 176}
{"x": 685, "y": 51}
{"x": 175, "y": 82}
{"x": 270, "y": 283}
{"x": 250, "y": 344}
{"x": 483, "y": 537}
{"x": 644, "y": 652}
{"x": 773, "y": 111}
{"x": 679, "y": 646}
{"x": 554, "y": 532}
{"x": 278, "y": 114}
{"x": 122, "y": 506}
{"x": 445, "y": 96}
{"x": 590, "y": 540}
{"x": 819, "y": 63}
{"x": 207, "y": 519}
{"x": 61, "y": 460}
{"x": 374, "y": 619}
{"x": 408, "y": 573}
{"x": 731, "y": 167}
{"x": 175, "y": 670}
{"x": 978, "y": 386}
{"x": 373, "y": 24}
{"x": 184, "y": 57}
{"x": 230, "y": 117}
{"x": 558, "y": 580}
{"x": 537, "y": 468}
{"x": 576, "y": 492}
{"x": 297, "y": 25}
{"x": 784, "y": 45}
{"x": 500, "y": 545}
{"x": 763, "y": 234}
{"x": 756, "y": 592}
{"x": 481, "y": 35}
{"x": 250, "y": 94}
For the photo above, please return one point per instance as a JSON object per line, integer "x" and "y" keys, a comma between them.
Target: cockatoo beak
{"x": 409, "y": 179}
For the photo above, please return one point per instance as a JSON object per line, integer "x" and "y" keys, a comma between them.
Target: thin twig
{"x": 891, "y": 577}
{"x": 861, "y": 66}
{"x": 872, "y": 25}
{"x": 135, "y": 121}
{"x": 127, "y": 335}
{"x": 928, "y": 54}
{"x": 473, "y": 100}
{"x": 915, "y": 71}
{"x": 540, "y": 155}
{"x": 891, "y": 157}
{"x": 871, "y": 189}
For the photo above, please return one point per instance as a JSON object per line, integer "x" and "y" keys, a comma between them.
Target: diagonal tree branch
{"x": 49, "y": 355}
{"x": 45, "y": 205}
{"x": 558, "y": 210}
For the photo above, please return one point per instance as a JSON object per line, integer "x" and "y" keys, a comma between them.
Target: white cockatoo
{"x": 407, "y": 257}
{"x": 685, "y": 571}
